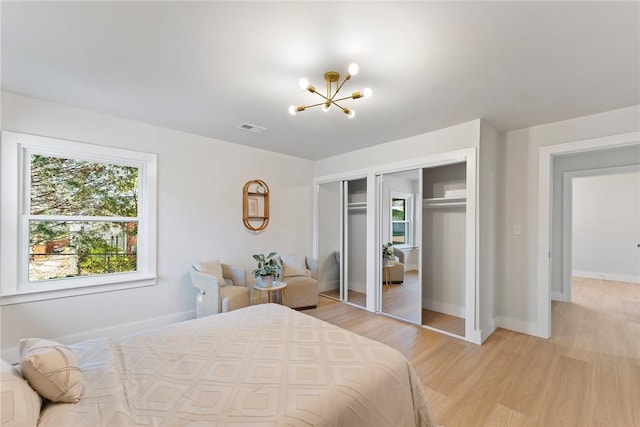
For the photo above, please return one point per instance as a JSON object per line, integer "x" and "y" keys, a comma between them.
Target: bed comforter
{"x": 264, "y": 365}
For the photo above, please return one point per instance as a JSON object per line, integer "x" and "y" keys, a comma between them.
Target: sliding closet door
{"x": 400, "y": 225}
{"x": 329, "y": 238}
{"x": 355, "y": 242}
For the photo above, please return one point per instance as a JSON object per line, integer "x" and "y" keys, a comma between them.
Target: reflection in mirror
{"x": 329, "y": 240}
{"x": 356, "y": 242}
{"x": 401, "y": 293}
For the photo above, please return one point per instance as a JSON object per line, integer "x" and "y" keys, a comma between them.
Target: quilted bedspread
{"x": 264, "y": 365}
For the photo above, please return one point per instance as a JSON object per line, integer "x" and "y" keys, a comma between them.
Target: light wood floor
{"x": 588, "y": 374}
{"x": 403, "y": 300}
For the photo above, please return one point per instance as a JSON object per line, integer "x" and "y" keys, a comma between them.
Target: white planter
{"x": 265, "y": 281}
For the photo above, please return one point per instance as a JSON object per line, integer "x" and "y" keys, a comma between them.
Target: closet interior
{"x": 444, "y": 264}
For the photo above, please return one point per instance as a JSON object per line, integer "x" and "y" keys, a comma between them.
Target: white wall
{"x": 517, "y": 288}
{"x": 606, "y": 227}
{"x": 200, "y": 184}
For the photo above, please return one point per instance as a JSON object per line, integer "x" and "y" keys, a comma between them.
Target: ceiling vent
{"x": 251, "y": 128}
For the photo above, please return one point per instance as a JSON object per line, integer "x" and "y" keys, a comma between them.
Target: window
{"x": 401, "y": 218}
{"x": 84, "y": 218}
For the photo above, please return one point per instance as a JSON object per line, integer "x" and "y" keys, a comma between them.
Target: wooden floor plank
{"x": 587, "y": 374}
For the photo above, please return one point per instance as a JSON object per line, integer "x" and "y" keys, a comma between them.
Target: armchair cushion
{"x": 233, "y": 297}
{"x": 294, "y": 266}
{"x": 214, "y": 268}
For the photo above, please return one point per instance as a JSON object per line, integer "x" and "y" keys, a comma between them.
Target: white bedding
{"x": 264, "y": 365}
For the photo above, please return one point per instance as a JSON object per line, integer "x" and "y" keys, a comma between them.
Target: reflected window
{"x": 401, "y": 226}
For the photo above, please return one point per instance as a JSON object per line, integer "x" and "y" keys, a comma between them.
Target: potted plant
{"x": 267, "y": 269}
{"x": 387, "y": 253}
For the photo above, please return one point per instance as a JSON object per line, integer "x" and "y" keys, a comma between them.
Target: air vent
{"x": 251, "y": 128}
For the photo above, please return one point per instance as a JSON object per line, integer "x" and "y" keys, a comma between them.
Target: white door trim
{"x": 545, "y": 182}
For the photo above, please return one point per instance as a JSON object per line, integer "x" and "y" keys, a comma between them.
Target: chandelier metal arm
{"x": 346, "y": 97}
{"x": 348, "y": 76}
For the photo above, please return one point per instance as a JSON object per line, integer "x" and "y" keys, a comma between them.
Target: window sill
{"x": 406, "y": 247}
{"x": 41, "y": 294}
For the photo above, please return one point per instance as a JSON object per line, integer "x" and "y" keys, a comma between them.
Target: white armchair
{"x": 216, "y": 297}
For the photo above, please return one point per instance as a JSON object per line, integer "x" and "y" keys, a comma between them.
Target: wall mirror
{"x": 255, "y": 205}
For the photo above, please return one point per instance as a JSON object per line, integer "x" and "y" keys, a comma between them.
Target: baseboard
{"x": 560, "y": 296}
{"x": 487, "y": 330}
{"x": 12, "y": 355}
{"x": 358, "y": 287}
{"x": 518, "y": 325}
{"x": 329, "y": 286}
{"x": 606, "y": 276}
{"x": 443, "y": 307}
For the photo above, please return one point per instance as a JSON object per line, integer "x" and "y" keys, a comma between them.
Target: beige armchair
{"x": 397, "y": 267}
{"x": 216, "y": 297}
{"x": 302, "y": 281}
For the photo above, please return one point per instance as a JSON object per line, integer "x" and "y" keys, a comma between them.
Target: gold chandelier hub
{"x": 331, "y": 76}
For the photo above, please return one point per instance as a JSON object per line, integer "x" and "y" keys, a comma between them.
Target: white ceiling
{"x": 207, "y": 67}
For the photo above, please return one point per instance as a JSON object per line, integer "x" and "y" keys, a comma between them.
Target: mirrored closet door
{"x": 423, "y": 215}
{"x": 400, "y": 213}
{"x": 342, "y": 240}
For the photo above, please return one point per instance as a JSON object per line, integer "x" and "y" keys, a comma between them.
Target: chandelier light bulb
{"x": 292, "y": 110}
{"x": 350, "y": 113}
{"x": 366, "y": 92}
{"x": 303, "y": 83}
{"x": 353, "y": 69}
{"x": 325, "y": 106}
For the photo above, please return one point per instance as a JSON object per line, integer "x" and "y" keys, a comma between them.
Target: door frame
{"x": 545, "y": 192}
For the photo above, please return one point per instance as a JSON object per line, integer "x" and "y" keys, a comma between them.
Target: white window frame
{"x": 408, "y": 197}
{"x": 14, "y": 216}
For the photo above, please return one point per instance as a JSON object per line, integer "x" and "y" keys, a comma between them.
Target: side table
{"x": 276, "y": 286}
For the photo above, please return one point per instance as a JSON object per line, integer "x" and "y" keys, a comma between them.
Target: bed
{"x": 263, "y": 365}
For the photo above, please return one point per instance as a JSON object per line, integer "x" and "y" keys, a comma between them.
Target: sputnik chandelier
{"x": 332, "y": 78}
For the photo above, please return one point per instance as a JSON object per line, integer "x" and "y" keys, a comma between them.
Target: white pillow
{"x": 52, "y": 369}
{"x": 213, "y": 268}
{"x": 19, "y": 403}
{"x": 294, "y": 266}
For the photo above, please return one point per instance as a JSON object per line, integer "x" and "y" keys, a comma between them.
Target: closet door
{"x": 329, "y": 238}
{"x": 399, "y": 213}
{"x": 342, "y": 237}
{"x": 355, "y": 242}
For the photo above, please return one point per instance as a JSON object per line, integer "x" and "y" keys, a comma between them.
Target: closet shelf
{"x": 357, "y": 206}
{"x": 444, "y": 202}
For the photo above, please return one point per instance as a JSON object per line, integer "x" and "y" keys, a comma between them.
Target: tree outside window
{"x": 83, "y": 217}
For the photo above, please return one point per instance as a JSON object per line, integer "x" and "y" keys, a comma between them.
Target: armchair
{"x": 216, "y": 297}
{"x": 397, "y": 267}
{"x": 301, "y": 275}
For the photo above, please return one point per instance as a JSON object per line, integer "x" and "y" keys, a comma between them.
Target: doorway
{"x": 554, "y": 161}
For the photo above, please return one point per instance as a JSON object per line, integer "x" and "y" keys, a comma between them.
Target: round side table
{"x": 277, "y": 286}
